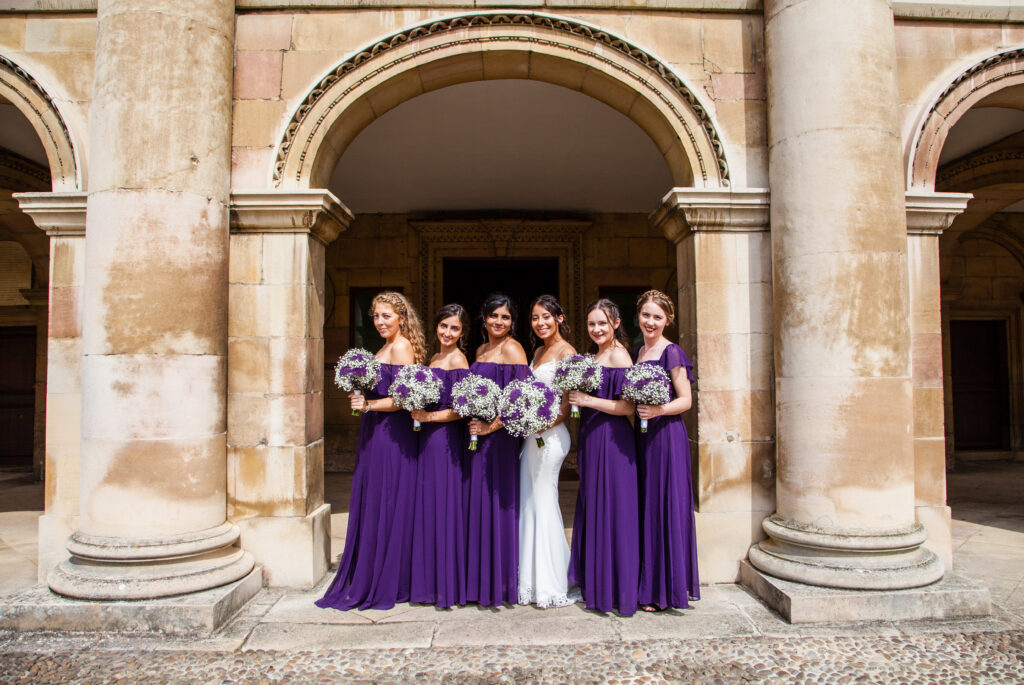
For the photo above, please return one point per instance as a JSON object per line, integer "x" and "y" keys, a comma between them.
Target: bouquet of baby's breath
{"x": 356, "y": 371}
{"x": 646, "y": 384}
{"x": 579, "y": 372}
{"x": 476, "y": 397}
{"x": 528, "y": 407}
{"x": 415, "y": 386}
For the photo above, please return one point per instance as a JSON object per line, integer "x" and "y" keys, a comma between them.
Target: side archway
{"x": 494, "y": 45}
{"x": 969, "y": 88}
{"x": 23, "y": 91}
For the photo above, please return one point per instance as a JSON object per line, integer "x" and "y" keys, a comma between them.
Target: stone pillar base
{"x": 938, "y": 521}
{"x": 294, "y": 551}
{"x": 854, "y": 561}
{"x": 950, "y": 598}
{"x": 200, "y": 613}
{"x": 102, "y": 568}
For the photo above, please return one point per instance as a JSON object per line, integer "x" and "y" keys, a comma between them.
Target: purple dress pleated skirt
{"x": 668, "y": 542}
{"x": 491, "y": 504}
{"x": 375, "y": 568}
{"x": 605, "y": 557}
{"x": 439, "y": 526}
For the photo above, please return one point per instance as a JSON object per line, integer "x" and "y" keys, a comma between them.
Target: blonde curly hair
{"x": 411, "y": 328}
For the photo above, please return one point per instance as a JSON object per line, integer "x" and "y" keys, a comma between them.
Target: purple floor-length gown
{"x": 439, "y": 526}
{"x": 605, "y": 559}
{"x": 375, "y": 568}
{"x": 668, "y": 543}
{"x": 491, "y": 503}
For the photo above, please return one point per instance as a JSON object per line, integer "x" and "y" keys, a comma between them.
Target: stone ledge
{"x": 194, "y": 614}
{"x": 951, "y": 597}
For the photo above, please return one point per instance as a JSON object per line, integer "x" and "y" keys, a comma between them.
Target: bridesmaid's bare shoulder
{"x": 619, "y": 358}
{"x": 401, "y": 352}
{"x": 513, "y": 353}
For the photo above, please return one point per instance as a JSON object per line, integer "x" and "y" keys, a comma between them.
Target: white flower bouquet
{"x": 415, "y": 386}
{"x": 528, "y": 407}
{"x": 476, "y": 397}
{"x": 357, "y": 371}
{"x": 579, "y": 372}
{"x": 646, "y": 384}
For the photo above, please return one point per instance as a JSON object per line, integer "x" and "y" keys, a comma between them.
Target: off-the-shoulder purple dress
{"x": 491, "y": 503}
{"x": 439, "y": 526}
{"x": 605, "y": 558}
{"x": 375, "y": 568}
{"x": 668, "y": 542}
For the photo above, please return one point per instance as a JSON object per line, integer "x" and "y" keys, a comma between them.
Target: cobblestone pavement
{"x": 983, "y": 657}
{"x": 729, "y": 636}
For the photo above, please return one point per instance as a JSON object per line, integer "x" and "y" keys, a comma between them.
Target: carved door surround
{"x": 496, "y": 239}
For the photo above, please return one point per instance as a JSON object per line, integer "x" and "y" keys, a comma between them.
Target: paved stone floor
{"x": 728, "y": 636}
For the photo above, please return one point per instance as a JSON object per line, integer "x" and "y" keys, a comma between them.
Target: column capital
{"x": 932, "y": 213}
{"x": 691, "y": 210}
{"x": 316, "y": 212}
{"x": 57, "y": 214}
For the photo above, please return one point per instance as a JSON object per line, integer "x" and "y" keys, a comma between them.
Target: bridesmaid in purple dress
{"x": 439, "y": 528}
{"x": 491, "y": 473}
{"x": 668, "y": 566}
{"x": 375, "y": 568}
{"x": 605, "y": 560}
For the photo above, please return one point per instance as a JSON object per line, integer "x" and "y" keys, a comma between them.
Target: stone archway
{"x": 967, "y": 89}
{"x": 496, "y": 45}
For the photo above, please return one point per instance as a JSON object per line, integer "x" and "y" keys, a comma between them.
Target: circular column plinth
{"x": 852, "y": 560}
{"x": 119, "y": 568}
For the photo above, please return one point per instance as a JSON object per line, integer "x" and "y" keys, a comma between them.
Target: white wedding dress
{"x": 543, "y": 551}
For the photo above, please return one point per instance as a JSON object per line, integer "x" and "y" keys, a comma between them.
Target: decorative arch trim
{"x": 25, "y": 92}
{"x": 569, "y": 40}
{"x": 970, "y": 86}
{"x": 982, "y": 169}
{"x": 1008, "y": 242}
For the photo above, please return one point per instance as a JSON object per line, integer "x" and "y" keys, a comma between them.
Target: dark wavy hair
{"x": 453, "y": 309}
{"x": 496, "y": 301}
{"x": 554, "y": 307}
{"x": 611, "y": 310}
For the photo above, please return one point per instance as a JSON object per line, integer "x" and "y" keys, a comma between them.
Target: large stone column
{"x": 844, "y": 405}
{"x": 154, "y": 322}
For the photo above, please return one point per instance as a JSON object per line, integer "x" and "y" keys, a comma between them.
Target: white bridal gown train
{"x": 543, "y": 551}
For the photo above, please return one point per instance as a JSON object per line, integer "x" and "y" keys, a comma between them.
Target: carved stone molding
{"x": 317, "y": 212}
{"x": 58, "y": 214}
{"x": 932, "y": 213}
{"x": 25, "y": 93}
{"x": 963, "y": 92}
{"x": 966, "y": 171}
{"x": 488, "y": 22}
{"x": 487, "y": 238}
{"x": 22, "y": 175}
{"x": 684, "y": 211}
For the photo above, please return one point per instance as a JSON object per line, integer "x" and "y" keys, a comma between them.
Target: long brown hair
{"x": 454, "y": 309}
{"x": 554, "y": 307}
{"x": 662, "y": 300}
{"x": 410, "y": 327}
{"x": 611, "y": 310}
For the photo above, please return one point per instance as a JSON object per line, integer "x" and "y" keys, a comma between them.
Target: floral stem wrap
{"x": 579, "y": 372}
{"x": 476, "y": 397}
{"x": 646, "y": 384}
{"x": 357, "y": 371}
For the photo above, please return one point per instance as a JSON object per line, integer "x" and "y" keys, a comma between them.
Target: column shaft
{"x": 154, "y": 324}
{"x": 844, "y": 404}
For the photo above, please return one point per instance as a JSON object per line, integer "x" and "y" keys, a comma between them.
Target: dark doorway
{"x": 469, "y": 281}
{"x": 17, "y": 395}
{"x": 981, "y": 397}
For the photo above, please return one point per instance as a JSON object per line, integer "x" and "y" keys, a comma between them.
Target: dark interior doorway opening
{"x": 981, "y": 385}
{"x": 17, "y": 396}
{"x": 469, "y": 281}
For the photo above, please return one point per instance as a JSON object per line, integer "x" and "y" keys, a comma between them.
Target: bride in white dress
{"x": 543, "y": 550}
